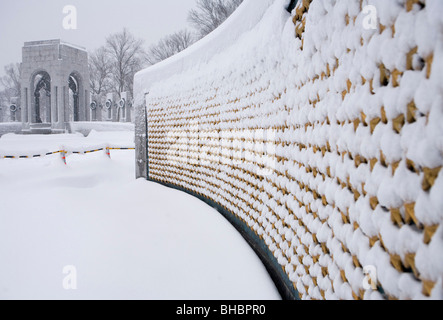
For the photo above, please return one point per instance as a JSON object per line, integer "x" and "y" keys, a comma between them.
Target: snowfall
{"x": 89, "y": 230}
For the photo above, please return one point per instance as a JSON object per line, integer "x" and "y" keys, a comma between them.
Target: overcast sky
{"x": 31, "y": 20}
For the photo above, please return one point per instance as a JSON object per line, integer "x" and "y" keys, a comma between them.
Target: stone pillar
{"x": 87, "y": 102}
{"x": 141, "y": 142}
{"x": 25, "y": 106}
{"x": 33, "y": 112}
{"x": 81, "y": 102}
{"x": 66, "y": 111}
{"x": 60, "y": 108}
{"x": 30, "y": 105}
{"x": 48, "y": 108}
{"x": 54, "y": 102}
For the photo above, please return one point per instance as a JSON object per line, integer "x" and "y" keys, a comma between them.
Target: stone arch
{"x": 41, "y": 96}
{"x": 75, "y": 83}
{"x": 63, "y": 62}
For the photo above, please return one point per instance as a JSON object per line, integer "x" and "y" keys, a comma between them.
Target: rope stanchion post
{"x": 108, "y": 152}
{"x": 63, "y": 155}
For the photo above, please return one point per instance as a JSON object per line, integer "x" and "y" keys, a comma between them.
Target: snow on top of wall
{"x": 247, "y": 15}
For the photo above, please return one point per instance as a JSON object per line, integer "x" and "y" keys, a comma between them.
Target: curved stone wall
{"x": 321, "y": 132}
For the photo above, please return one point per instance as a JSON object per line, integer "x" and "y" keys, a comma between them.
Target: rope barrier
{"x": 65, "y": 153}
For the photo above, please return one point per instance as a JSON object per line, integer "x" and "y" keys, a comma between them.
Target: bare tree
{"x": 11, "y": 80}
{"x": 100, "y": 71}
{"x": 126, "y": 55}
{"x": 11, "y": 88}
{"x": 209, "y": 14}
{"x": 169, "y": 46}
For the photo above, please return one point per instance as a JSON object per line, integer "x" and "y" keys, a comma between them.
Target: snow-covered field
{"x": 124, "y": 238}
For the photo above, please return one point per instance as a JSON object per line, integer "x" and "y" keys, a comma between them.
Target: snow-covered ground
{"x": 125, "y": 238}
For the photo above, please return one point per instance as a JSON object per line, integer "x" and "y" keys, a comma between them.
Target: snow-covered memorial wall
{"x": 319, "y": 134}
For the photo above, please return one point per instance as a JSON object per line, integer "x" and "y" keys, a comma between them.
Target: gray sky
{"x": 31, "y": 20}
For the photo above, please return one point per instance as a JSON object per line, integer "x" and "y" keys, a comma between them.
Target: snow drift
{"x": 124, "y": 237}
{"x": 10, "y": 127}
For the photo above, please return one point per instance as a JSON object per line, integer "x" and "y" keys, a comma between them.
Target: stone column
{"x": 49, "y": 108}
{"x": 54, "y": 103}
{"x": 31, "y": 103}
{"x": 87, "y": 102}
{"x": 65, "y": 107}
{"x": 141, "y": 142}
{"x": 60, "y": 108}
{"x": 25, "y": 107}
